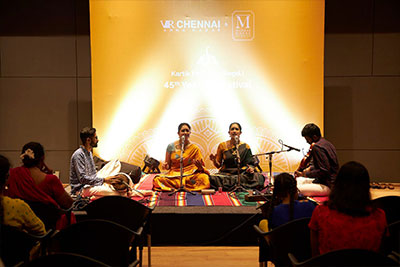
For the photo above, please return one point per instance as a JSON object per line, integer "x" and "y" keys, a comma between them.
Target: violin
{"x": 306, "y": 160}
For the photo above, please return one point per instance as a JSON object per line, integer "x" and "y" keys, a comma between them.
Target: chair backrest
{"x": 122, "y": 210}
{"x": 102, "y": 240}
{"x": 347, "y": 257}
{"x": 64, "y": 260}
{"x": 391, "y": 206}
{"x": 391, "y": 243}
{"x": 15, "y": 245}
{"x": 49, "y": 214}
{"x": 292, "y": 237}
{"x": 394, "y": 231}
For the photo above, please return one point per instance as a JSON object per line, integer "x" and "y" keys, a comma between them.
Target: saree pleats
{"x": 192, "y": 180}
{"x": 227, "y": 177}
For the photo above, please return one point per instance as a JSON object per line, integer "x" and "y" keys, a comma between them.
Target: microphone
{"x": 291, "y": 148}
{"x": 237, "y": 149}
{"x": 183, "y": 142}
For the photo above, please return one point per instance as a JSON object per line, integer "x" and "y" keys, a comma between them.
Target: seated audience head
{"x": 32, "y": 155}
{"x": 311, "y": 133}
{"x": 351, "y": 193}
{"x": 4, "y": 168}
{"x": 285, "y": 187}
{"x": 89, "y": 137}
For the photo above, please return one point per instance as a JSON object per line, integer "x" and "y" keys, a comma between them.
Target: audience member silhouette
{"x": 284, "y": 206}
{"x": 15, "y": 212}
{"x": 348, "y": 220}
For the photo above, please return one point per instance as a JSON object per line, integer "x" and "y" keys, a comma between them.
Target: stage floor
{"x": 183, "y": 256}
{"x": 377, "y": 193}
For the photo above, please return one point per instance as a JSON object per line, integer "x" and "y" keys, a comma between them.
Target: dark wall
{"x": 362, "y": 83}
{"x": 45, "y": 85}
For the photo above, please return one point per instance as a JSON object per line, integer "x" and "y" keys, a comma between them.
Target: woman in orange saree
{"x": 195, "y": 175}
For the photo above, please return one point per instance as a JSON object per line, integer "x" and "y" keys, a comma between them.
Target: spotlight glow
{"x": 208, "y": 63}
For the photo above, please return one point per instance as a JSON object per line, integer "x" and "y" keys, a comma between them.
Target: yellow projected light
{"x": 156, "y": 64}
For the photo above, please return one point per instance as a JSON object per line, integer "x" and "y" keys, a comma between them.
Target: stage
{"x": 220, "y": 219}
{"x": 201, "y": 226}
{"x": 204, "y": 226}
{"x": 182, "y": 219}
{"x": 199, "y": 220}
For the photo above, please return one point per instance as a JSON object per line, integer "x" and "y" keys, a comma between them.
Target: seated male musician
{"x": 317, "y": 178}
{"x": 82, "y": 167}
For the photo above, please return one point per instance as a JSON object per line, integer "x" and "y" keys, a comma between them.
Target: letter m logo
{"x": 243, "y": 25}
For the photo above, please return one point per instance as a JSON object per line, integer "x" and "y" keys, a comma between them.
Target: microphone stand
{"x": 269, "y": 156}
{"x": 238, "y": 187}
{"x": 181, "y": 188}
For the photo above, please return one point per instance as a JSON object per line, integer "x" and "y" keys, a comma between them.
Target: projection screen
{"x": 156, "y": 64}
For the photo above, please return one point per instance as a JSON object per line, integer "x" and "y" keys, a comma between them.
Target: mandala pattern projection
{"x": 280, "y": 161}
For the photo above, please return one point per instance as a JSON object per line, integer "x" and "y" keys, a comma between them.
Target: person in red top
{"x": 34, "y": 181}
{"x": 348, "y": 220}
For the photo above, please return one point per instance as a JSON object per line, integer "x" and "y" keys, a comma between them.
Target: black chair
{"x": 102, "y": 240}
{"x": 394, "y": 232}
{"x": 391, "y": 206}
{"x": 49, "y": 214}
{"x": 16, "y": 244}
{"x": 292, "y": 237}
{"x": 128, "y": 213}
{"x": 64, "y": 260}
{"x": 263, "y": 252}
{"x": 346, "y": 257}
{"x": 391, "y": 243}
